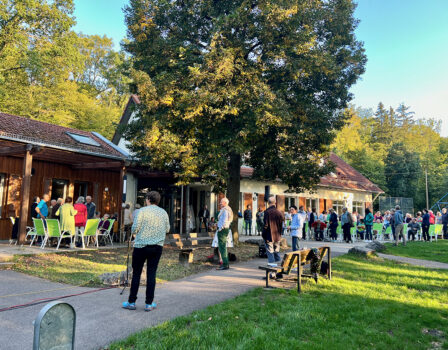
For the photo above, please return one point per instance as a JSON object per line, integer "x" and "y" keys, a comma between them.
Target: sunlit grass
{"x": 369, "y": 304}
{"x": 436, "y": 251}
{"x": 84, "y": 267}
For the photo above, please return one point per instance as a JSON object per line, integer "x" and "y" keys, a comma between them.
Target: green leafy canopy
{"x": 222, "y": 83}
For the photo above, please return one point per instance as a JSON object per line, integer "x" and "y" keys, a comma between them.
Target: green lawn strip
{"x": 369, "y": 304}
{"x": 435, "y": 251}
{"x": 84, "y": 267}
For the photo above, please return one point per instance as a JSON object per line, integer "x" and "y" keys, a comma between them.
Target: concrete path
{"x": 417, "y": 262}
{"x": 100, "y": 320}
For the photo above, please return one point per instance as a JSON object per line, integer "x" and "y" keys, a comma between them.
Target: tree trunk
{"x": 233, "y": 192}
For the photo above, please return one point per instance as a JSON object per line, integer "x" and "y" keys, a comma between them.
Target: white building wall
{"x": 131, "y": 189}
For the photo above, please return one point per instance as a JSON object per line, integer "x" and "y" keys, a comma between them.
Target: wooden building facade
{"x": 39, "y": 158}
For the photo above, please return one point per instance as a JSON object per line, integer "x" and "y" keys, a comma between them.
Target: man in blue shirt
{"x": 42, "y": 207}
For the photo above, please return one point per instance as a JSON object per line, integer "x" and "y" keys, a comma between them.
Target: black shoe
{"x": 222, "y": 268}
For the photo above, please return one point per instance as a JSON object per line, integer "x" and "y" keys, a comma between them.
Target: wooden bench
{"x": 187, "y": 246}
{"x": 290, "y": 261}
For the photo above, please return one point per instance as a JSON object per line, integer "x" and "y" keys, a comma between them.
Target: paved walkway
{"x": 417, "y": 262}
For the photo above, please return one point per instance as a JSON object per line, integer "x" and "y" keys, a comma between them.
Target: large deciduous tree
{"x": 50, "y": 73}
{"x": 226, "y": 83}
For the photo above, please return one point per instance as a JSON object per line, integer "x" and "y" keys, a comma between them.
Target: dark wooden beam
{"x": 25, "y": 194}
{"x": 98, "y": 165}
{"x": 19, "y": 150}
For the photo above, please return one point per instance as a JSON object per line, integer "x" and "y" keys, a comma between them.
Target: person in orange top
{"x": 81, "y": 216}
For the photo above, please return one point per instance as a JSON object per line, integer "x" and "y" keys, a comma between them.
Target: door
{"x": 59, "y": 188}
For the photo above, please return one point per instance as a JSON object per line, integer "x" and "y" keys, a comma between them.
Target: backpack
{"x": 350, "y": 219}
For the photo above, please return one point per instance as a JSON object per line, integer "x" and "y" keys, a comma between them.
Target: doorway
{"x": 80, "y": 189}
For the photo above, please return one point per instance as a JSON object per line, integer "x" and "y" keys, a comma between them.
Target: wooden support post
{"x": 120, "y": 202}
{"x": 329, "y": 263}
{"x": 25, "y": 193}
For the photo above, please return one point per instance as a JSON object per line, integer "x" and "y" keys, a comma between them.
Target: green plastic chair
{"x": 353, "y": 233}
{"x": 438, "y": 230}
{"x": 106, "y": 234}
{"x": 90, "y": 231}
{"x": 389, "y": 232}
{"x": 379, "y": 230}
{"x": 39, "y": 230}
{"x": 432, "y": 232}
{"x": 54, "y": 231}
{"x": 339, "y": 232}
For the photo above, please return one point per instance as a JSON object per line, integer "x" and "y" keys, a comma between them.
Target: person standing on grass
{"x": 303, "y": 219}
{"x": 66, "y": 213}
{"x": 368, "y": 222}
{"x": 81, "y": 216}
{"x": 346, "y": 223}
{"x": 445, "y": 223}
{"x": 150, "y": 229}
{"x": 91, "y": 208}
{"x": 295, "y": 227}
{"x": 259, "y": 219}
{"x": 248, "y": 219}
{"x": 425, "y": 225}
{"x": 42, "y": 207}
{"x": 398, "y": 220}
{"x": 272, "y": 231}
{"x": 333, "y": 225}
{"x": 225, "y": 218}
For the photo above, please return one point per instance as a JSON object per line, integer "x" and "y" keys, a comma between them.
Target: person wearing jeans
{"x": 425, "y": 225}
{"x": 272, "y": 231}
{"x": 296, "y": 227}
{"x": 150, "y": 227}
{"x": 225, "y": 218}
{"x": 248, "y": 220}
{"x": 398, "y": 221}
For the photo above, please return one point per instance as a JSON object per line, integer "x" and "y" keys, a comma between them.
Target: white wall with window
{"x": 359, "y": 207}
{"x": 312, "y": 203}
{"x": 337, "y": 206}
{"x": 2, "y": 190}
{"x": 289, "y": 201}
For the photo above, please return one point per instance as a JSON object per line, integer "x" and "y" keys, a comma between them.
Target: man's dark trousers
{"x": 151, "y": 254}
{"x": 222, "y": 244}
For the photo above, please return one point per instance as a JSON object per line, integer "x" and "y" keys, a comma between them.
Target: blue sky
{"x": 406, "y": 43}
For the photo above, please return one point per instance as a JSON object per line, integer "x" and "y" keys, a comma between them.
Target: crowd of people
{"x": 73, "y": 216}
{"x": 302, "y": 224}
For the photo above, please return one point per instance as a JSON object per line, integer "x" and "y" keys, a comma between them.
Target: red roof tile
{"x": 344, "y": 177}
{"x": 29, "y": 130}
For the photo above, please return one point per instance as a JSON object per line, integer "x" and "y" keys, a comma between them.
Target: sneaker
{"x": 222, "y": 267}
{"x": 128, "y": 305}
{"x": 149, "y": 307}
{"x": 272, "y": 264}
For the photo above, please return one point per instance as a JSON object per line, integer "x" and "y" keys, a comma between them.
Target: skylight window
{"x": 86, "y": 140}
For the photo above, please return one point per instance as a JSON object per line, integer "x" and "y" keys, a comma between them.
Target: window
{"x": 59, "y": 189}
{"x": 337, "y": 206}
{"x": 289, "y": 201}
{"x": 87, "y": 140}
{"x": 2, "y": 189}
{"x": 312, "y": 204}
{"x": 359, "y": 208}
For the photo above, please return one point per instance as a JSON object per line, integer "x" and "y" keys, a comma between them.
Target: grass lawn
{"x": 436, "y": 251}
{"x": 83, "y": 267}
{"x": 369, "y": 304}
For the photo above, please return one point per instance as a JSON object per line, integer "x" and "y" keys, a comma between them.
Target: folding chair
{"x": 353, "y": 234}
{"x": 340, "y": 233}
{"x": 379, "y": 231}
{"x": 54, "y": 231}
{"x": 106, "y": 234}
{"x": 432, "y": 232}
{"x": 90, "y": 231}
{"x": 39, "y": 231}
{"x": 389, "y": 232}
{"x": 438, "y": 230}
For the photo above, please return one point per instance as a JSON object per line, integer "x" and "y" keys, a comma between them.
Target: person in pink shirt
{"x": 81, "y": 217}
{"x": 432, "y": 218}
